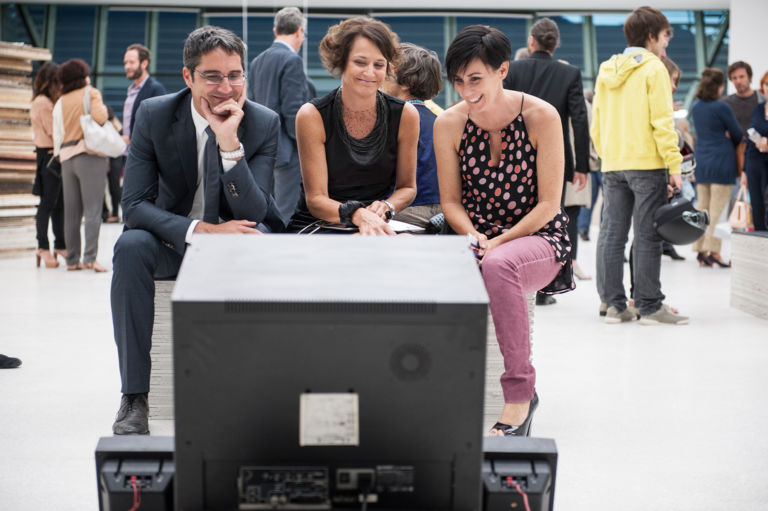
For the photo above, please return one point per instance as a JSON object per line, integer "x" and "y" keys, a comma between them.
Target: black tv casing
{"x": 401, "y": 322}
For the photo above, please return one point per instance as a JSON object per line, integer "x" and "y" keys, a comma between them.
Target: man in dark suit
{"x": 201, "y": 161}
{"x": 143, "y": 86}
{"x": 277, "y": 80}
{"x": 559, "y": 84}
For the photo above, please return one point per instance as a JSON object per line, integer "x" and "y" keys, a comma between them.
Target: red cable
{"x": 512, "y": 482}
{"x": 136, "y": 494}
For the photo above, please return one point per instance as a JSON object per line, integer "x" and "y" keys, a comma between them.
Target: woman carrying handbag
{"x": 83, "y": 170}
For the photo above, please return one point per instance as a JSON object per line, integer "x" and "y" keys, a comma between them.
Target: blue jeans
{"x": 631, "y": 195}
{"x": 585, "y": 215}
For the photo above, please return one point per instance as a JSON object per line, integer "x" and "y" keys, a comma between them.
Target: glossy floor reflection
{"x": 671, "y": 418}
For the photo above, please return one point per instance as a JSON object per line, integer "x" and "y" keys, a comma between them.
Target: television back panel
{"x": 363, "y": 357}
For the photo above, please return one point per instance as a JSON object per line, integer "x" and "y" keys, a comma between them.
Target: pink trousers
{"x": 510, "y": 271}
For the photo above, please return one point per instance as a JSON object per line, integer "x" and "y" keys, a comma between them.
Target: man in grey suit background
{"x": 277, "y": 80}
{"x": 201, "y": 161}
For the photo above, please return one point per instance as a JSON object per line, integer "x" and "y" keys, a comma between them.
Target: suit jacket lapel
{"x": 183, "y": 134}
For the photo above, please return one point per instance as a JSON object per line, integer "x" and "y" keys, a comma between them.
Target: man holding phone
{"x": 201, "y": 161}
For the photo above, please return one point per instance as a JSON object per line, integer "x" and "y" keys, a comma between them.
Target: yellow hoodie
{"x": 632, "y": 124}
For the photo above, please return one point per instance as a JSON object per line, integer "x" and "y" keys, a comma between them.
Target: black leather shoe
{"x": 669, "y": 250}
{"x": 584, "y": 235}
{"x": 523, "y": 429}
{"x": 9, "y": 362}
{"x": 542, "y": 299}
{"x": 133, "y": 416}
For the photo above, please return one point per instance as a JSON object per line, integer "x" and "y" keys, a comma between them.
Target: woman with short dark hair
{"x": 357, "y": 146}
{"x": 83, "y": 171}
{"x": 718, "y": 133}
{"x": 500, "y": 162}
{"x": 47, "y": 185}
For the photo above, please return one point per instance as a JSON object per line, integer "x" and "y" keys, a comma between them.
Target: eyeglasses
{"x": 235, "y": 79}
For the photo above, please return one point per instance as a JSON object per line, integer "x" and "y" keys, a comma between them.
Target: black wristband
{"x": 347, "y": 209}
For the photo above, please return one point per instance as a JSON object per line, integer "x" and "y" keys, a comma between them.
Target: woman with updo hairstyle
{"x": 83, "y": 171}
{"x": 500, "y": 165}
{"x": 47, "y": 185}
{"x": 717, "y": 135}
{"x": 357, "y": 145}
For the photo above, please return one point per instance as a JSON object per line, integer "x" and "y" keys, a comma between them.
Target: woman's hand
{"x": 762, "y": 146}
{"x": 743, "y": 179}
{"x": 486, "y": 245}
{"x": 380, "y": 209}
{"x": 370, "y": 223}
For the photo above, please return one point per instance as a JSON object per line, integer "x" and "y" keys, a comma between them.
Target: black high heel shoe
{"x": 719, "y": 262}
{"x": 703, "y": 260}
{"x": 523, "y": 429}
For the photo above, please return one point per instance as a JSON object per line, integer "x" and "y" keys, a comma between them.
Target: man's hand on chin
{"x": 231, "y": 227}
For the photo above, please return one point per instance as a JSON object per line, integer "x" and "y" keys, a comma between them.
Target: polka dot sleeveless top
{"x": 496, "y": 198}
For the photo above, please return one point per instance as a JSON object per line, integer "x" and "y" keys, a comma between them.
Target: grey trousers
{"x": 83, "y": 178}
{"x": 631, "y": 196}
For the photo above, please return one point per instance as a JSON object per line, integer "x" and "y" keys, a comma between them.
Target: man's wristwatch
{"x": 233, "y": 155}
{"x": 391, "y": 209}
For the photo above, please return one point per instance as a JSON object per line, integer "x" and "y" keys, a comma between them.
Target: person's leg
{"x": 585, "y": 215}
{"x": 113, "y": 180}
{"x": 57, "y": 219}
{"x": 618, "y": 201}
{"x": 45, "y": 207}
{"x": 418, "y": 215}
{"x": 757, "y": 174}
{"x": 650, "y": 191}
{"x": 703, "y": 204}
{"x": 73, "y": 212}
{"x": 92, "y": 171}
{"x": 510, "y": 271}
{"x": 720, "y": 195}
{"x": 139, "y": 259}
{"x": 287, "y": 189}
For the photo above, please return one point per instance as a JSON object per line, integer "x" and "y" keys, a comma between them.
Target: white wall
{"x": 749, "y": 29}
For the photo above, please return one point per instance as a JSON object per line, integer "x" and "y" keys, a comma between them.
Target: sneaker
{"x": 603, "y": 309}
{"x": 664, "y": 316}
{"x": 613, "y": 316}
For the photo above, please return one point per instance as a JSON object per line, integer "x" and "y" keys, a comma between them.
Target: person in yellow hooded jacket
{"x": 634, "y": 134}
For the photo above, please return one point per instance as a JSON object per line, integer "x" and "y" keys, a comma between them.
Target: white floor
{"x": 645, "y": 418}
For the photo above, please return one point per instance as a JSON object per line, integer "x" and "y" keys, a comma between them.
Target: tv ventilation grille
{"x": 235, "y": 307}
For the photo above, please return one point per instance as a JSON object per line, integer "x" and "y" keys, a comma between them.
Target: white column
{"x": 749, "y": 26}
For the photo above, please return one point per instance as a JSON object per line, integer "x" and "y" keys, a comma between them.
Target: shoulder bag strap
{"x": 87, "y": 100}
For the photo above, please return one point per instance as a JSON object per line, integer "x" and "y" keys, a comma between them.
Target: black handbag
{"x": 53, "y": 167}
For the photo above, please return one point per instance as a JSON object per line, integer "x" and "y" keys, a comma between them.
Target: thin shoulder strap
{"x": 522, "y": 102}
{"x": 87, "y": 99}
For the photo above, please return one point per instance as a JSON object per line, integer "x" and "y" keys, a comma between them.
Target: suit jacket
{"x": 151, "y": 89}
{"x": 276, "y": 80}
{"x": 558, "y": 84}
{"x": 161, "y": 171}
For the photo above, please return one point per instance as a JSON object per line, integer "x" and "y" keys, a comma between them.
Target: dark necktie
{"x": 212, "y": 179}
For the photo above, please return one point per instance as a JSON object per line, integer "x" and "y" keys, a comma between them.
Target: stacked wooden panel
{"x": 17, "y": 150}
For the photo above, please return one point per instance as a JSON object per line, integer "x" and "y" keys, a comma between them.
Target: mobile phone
{"x": 474, "y": 246}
